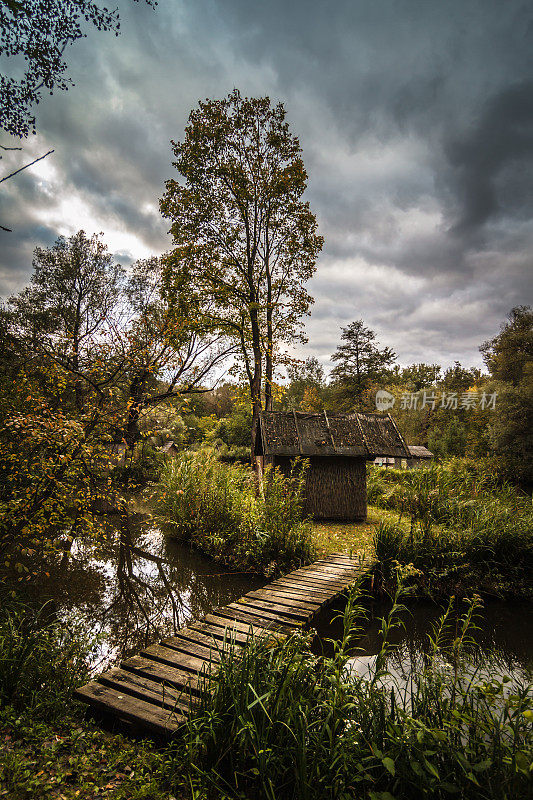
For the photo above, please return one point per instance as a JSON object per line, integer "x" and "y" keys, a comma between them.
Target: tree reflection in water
{"x": 134, "y": 587}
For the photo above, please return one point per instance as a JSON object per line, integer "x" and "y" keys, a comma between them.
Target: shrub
{"x": 221, "y": 510}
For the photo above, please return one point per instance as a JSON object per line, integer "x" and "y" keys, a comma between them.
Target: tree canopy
{"x": 509, "y": 355}
{"x": 39, "y": 32}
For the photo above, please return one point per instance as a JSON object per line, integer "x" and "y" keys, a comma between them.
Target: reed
{"x": 464, "y": 527}
{"x": 221, "y": 510}
{"x": 280, "y": 722}
{"x": 42, "y": 660}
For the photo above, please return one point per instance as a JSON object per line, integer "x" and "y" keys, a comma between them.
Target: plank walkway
{"x": 156, "y": 689}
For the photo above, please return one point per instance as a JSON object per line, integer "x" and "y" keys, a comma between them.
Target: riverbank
{"x": 284, "y": 722}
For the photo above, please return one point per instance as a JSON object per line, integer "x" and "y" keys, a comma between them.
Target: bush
{"x": 277, "y": 721}
{"x": 145, "y": 466}
{"x": 221, "y": 510}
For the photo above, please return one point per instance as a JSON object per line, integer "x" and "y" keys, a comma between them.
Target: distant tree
{"x": 243, "y": 236}
{"x": 65, "y": 310}
{"x": 451, "y": 441}
{"x": 359, "y": 361}
{"x": 306, "y": 384}
{"x": 36, "y": 34}
{"x": 236, "y": 429}
{"x": 509, "y": 355}
{"x": 459, "y": 378}
{"x": 419, "y": 376}
{"x": 511, "y": 432}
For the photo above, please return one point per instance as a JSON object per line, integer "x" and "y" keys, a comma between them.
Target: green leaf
{"x": 388, "y": 763}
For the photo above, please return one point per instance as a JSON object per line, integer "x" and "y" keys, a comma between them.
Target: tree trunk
{"x": 255, "y": 386}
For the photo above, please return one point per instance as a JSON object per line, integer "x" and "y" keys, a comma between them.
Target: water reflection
{"x": 136, "y": 587}
{"x": 502, "y": 640}
{"x": 139, "y": 585}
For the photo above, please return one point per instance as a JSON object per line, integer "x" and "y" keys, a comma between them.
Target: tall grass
{"x": 41, "y": 660}
{"x": 279, "y": 722}
{"x": 461, "y": 521}
{"x": 221, "y": 510}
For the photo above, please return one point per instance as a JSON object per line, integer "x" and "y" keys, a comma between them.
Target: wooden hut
{"x": 419, "y": 456}
{"x": 337, "y": 446}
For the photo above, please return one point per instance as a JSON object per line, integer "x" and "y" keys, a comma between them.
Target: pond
{"x": 141, "y": 585}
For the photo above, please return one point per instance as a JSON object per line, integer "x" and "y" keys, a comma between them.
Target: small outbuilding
{"x": 419, "y": 456}
{"x": 338, "y": 447}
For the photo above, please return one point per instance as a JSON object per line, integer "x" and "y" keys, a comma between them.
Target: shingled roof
{"x": 417, "y": 451}
{"x": 295, "y": 433}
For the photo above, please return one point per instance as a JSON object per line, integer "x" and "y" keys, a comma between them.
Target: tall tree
{"x": 66, "y": 309}
{"x": 509, "y": 356}
{"x": 419, "y": 376}
{"x": 85, "y": 353}
{"x": 306, "y": 384}
{"x": 244, "y": 238}
{"x": 359, "y": 361}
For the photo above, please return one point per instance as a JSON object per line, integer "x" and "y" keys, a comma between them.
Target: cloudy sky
{"x": 416, "y": 122}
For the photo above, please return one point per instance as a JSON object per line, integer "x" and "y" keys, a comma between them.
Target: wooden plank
{"x": 241, "y": 627}
{"x": 169, "y": 656}
{"x": 323, "y": 580}
{"x": 220, "y": 630}
{"x": 319, "y": 583}
{"x": 271, "y": 595}
{"x": 347, "y": 574}
{"x": 193, "y": 648}
{"x": 295, "y": 592}
{"x": 332, "y": 566}
{"x": 130, "y": 708}
{"x": 235, "y": 613}
{"x": 318, "y": 591}
{"x": 323, "y": 577}
{"x": 277, "y": 617}
{"x": 308, "y": 589}
{"x": 160, "y": 694}
{"x": 288, "y": 610}
{"x": 206, "y": 640}
{"x": 157, "y": 671}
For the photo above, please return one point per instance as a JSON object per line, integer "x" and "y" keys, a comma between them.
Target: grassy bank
{"x": 458, "y": 526}
{"x": 350, "y": 537}
{"x": 47, "y": 749}
{"x": 278, "y": 722}
{"x": 220, "y": 509}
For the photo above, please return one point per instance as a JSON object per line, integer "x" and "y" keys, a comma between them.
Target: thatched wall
{"x": 335, "y": 487}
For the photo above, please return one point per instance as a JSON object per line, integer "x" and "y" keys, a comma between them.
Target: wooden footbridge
{"x": 156, "y": 689}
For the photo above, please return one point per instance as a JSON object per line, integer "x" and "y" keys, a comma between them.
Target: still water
{"x": 142, "y": 585}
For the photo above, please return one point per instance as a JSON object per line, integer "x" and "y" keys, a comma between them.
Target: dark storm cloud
{"x": 416, "y": 121}
{"x": 500, "y": 145}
